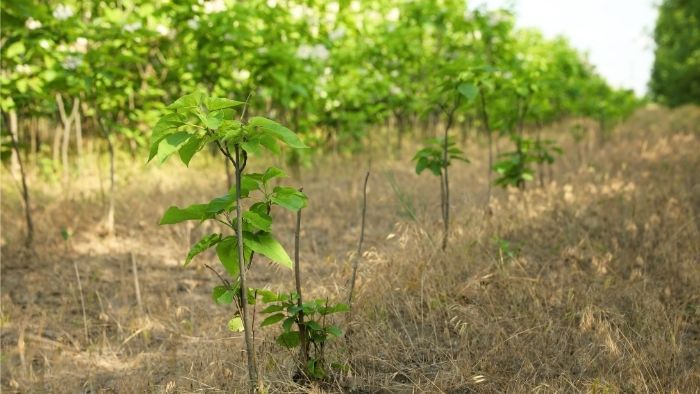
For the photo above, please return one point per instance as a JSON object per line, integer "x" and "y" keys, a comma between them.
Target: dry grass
{"x": 598, "y": 291}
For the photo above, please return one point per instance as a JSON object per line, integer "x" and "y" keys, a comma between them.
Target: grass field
{"x": 588, "y": 284}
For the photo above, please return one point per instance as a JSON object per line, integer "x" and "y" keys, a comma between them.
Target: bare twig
{"x": 82, "y": 302}
{"x": 356, "y": 263}
{"x": 137, "y": 288}
{"x": 223, "y": 280}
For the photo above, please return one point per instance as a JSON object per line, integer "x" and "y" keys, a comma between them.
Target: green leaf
{"x": 271, "y": 296}
{"x": 289, "y": 339}
{"x": 213, "y": 121}
{"x": 236, "y": 325}
{"x": 230, "y": 130}
{"x": 223, "y": 295}
{"x": 313, "y": 325}
{"x": 337, "y": 308}
{"x": 272, "y": 319}
{"x": 189, "y": 149}
{"x": 216, "y": 103}
{"x": 273, "y": 308}
{"x": 194, "y": 212}
{"x": 203, "y": 244}
{"x": 171, "y": 144}
{"x": 288, "y": 198}
{"x": 223, "y": 203}
{"x": 334, "y": 330}
{"x": 271, "y": 173}
{"x": 166, "y": 125}
{"x": 267, "y": 246}
{"x": 468, "y": 90}
{"x": 288, "y": 323}
{"x": 280, "y": 132}
{"x": 227, "y": 252}
{"x": 258, "y": 220}
{"x": 15, "y": 49}
{"x": 249, "y": 183}
{"x": 187, "y": 101}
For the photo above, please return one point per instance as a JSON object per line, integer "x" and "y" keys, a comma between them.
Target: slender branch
{"x": 223, "y": 280}
{"x": 245, "y": 105}
{"x": 358, "y": 256}
{"x": 446, "y": 164}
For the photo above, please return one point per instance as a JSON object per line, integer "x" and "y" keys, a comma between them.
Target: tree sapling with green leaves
{"x": 192, "y": 122}
{"x": 437, "y": 156}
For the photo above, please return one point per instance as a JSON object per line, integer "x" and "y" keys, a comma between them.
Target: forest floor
{"x": 590, "y": 283}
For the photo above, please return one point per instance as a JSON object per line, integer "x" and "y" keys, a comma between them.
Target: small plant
{"x": 437, "y": 156}
{"x": 516, "y": 168}
{"x": 305, "y": 325}
{"x": 192, "y": 122}
{"x": 543, "y": 152}
{"x": 506, "y": 249}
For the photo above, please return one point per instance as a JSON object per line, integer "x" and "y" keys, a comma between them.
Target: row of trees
{"x": 75, "y": 70}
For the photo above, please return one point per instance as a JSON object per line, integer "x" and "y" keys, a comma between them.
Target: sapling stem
{"x": 446, "y": 194}
{"x": 82, "y": 302}
{"x": 487, "y": 126}
{"x": 358, "y": 256}
{"x": 137, "y": 287}
{"x": 25, "y": 190}
{"x": 255, "y": 381}
{"x": 304, "y": 344}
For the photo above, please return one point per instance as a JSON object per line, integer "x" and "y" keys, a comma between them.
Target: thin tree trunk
{"x": 255, "y": 381}
{"x": 109, "y": 223}
{"x": 66, "y": 135}
{"x": 485, "y": 118}
{"x": 14, "y": 134}
{"x": 78, "y": 134}
{"x": 446, "y": 195}
{"x": 304, "y": 345}
{"x": 57, "y": 145}
{"x": 109, "y": 220}
{"x": 33, "y": 142}
{"x": 25, "y": 189}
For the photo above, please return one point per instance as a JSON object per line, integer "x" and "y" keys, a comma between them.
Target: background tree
{"x": 675, "y": 78}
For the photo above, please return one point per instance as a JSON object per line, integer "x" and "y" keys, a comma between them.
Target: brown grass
{"x": 600, "y": 291}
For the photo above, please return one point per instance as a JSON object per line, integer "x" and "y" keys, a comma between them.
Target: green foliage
{"x": 675, "y": 76}
{"x": 306, "y": 323}
{"x": 189, "y": 124}
{"x": 432, "y": 157}
{"x": 515, "y": 168}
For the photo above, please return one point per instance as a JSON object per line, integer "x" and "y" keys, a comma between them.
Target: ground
{"x": 590, "y": 283}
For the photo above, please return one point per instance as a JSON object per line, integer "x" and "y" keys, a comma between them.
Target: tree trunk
{"x": 78, "y": 134}
{"x": 25, "y": 189}
{"x": 485, "y": 119}
{"x": 66, "y": 135}
{"x": 33, "y": 142}
{"x": 109, "y": 222}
